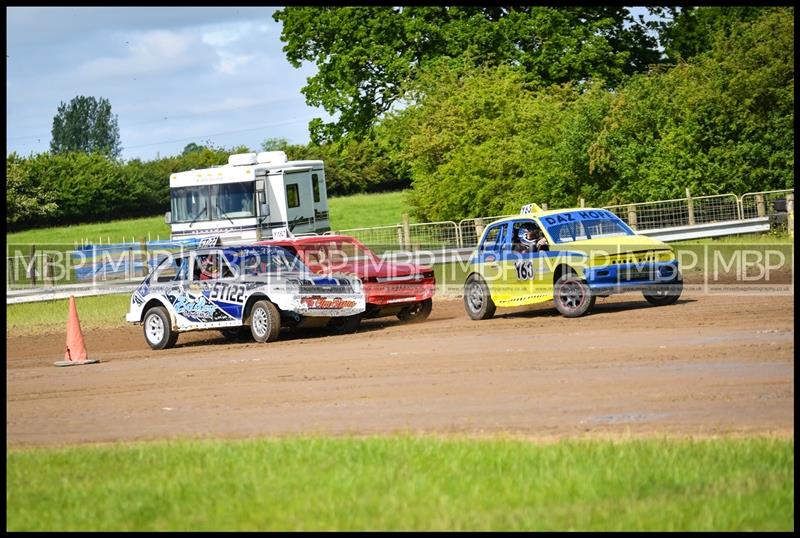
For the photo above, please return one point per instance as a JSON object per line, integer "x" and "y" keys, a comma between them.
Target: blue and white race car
{"x": 230, "y": 289}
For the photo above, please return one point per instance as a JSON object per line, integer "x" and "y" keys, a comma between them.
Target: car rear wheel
{"x": 158, "y": 329}
{"x": 265, "y": 322}
{"x": 477, "y": 298}
{"x": 345, "y": 324}
{"x": 572, "y": 296}
{"x": 416, "y": 312}
{"x": 665, "y": 294}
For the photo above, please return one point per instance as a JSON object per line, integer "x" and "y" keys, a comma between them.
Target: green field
{"x": 404, "y": 483}
{"x": 356, "y": 211}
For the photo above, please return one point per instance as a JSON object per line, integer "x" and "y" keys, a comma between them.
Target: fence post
{"x": 760, "y": 207}
{"x": 131, "y": 272}
{"x": 790, "y": 217}
{"x": 582, "y": 202}
{"x": 632, "y": 216}
{"x": 406, "y": 233}
{"x": 479, "y": 228}
{"x": 143, "y": 256}
{"x": 690, "y": 206}
{"x": 32, "y": 271}
{"x": 544, "y": 207}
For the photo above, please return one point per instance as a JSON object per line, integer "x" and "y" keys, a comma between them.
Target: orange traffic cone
{"x": 75, "y": 352}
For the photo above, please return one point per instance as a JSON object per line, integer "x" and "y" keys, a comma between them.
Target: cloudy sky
{"x": 173, "y": 76}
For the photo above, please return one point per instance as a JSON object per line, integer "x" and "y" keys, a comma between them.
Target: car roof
{"x": 232, "y": 249}
{"x": 308, "y": 240}
{"x": 547, "y": 213}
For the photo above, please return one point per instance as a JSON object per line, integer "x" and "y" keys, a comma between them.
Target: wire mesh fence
{"x": 764, "y": 204}
{"x": 471, "y": 229}
{"x": 687, "y": 211}
{"x": 407, "y": 237}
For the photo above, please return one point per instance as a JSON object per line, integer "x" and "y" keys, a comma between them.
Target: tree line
{"x": 480, "y": 110}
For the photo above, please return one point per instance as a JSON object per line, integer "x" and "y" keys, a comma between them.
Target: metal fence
{"x": 407, "y": 237}
{"x": 27, "y": 267}
{"x": 687, "y": 211}
{"x": 641, "y": 216}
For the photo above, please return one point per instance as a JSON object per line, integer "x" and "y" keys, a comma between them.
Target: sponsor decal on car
{"x": 319, "y": 302}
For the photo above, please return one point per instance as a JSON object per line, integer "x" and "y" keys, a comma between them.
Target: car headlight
{"x": 357, "y": 285}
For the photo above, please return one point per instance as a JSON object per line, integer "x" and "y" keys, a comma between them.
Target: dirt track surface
{"x": 708, "y": 365}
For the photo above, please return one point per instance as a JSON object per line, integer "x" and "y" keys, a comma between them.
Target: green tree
{"x": 365, "y": 55}
{"x": 688, "y": 31}
{"x": 722, "y": 122}
{"x": 86, "y": 124}
{"x": 274, "y": 144}
{"x": 26, "y": 198}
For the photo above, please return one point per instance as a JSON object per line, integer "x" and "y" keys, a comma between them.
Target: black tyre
{"x": 477, "y": 298}
{"x": 666, "y": 294}
{"x": 345, "y": 324}
{"x": 265, "y": 322}
{"x": 572, "y": 296}
{"x": 236, "y": 334}
{"x": 416, "y": 312}
{"x": 158, "y": 329}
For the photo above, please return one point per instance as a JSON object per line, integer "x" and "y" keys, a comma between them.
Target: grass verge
{"x": 404, "y": 483}
{"x": 102, "y": 311}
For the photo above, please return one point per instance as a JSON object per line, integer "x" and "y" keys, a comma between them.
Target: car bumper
{"x": 385, "y": 294}
{"x": 621, "y": 278}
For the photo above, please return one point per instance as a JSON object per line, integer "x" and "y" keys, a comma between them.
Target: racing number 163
{"x": 524, "y": 270}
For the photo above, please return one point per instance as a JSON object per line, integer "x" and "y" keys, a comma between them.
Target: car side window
{"x": 494, "y": 238}
{"x": 170, "y": 270}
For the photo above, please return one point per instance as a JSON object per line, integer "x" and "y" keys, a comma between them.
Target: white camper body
{"x": 246, "y": 199}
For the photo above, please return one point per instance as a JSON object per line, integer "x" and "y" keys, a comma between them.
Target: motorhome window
{"x": 292, "y": 196}
{"x": 190, "y": 204}
{"x": 315, "y": 182}
{"x": 233, "y": 200}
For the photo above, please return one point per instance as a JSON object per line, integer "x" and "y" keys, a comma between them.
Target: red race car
{"x": 392, "y": 289}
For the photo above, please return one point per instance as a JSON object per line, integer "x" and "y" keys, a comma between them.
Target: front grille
{"x": 325, "y": 288}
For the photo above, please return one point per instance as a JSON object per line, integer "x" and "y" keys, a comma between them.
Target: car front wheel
{"x": 157, "y": 329}
{"x": 477, "y": 298}
{"x": 416, "y": 312}
{"x": 265, "y": 322}
{"x": 572, "y": 296}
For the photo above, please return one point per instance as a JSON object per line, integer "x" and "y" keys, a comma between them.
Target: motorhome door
{"x": 299, "y": 201}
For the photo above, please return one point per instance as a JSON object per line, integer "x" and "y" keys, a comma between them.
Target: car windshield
{"x": 581, "y": 225}
{"x": 259, "y": 261}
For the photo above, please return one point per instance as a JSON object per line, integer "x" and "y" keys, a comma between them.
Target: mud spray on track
{"x": 708, "y": 365}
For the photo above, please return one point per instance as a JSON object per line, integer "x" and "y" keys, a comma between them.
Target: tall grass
{"x": 402, "y": 483}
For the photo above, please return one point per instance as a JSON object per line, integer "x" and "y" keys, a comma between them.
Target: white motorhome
{"x": 246, "y": 199}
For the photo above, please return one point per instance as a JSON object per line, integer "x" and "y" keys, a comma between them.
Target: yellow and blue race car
{"x": 571, "y": 256}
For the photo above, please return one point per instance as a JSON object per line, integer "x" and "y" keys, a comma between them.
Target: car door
{"x": 531, "y": 270}
{"x": 197, "y": 300}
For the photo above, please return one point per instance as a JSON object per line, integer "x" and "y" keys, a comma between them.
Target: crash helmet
{"x": 523, "y": 233}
